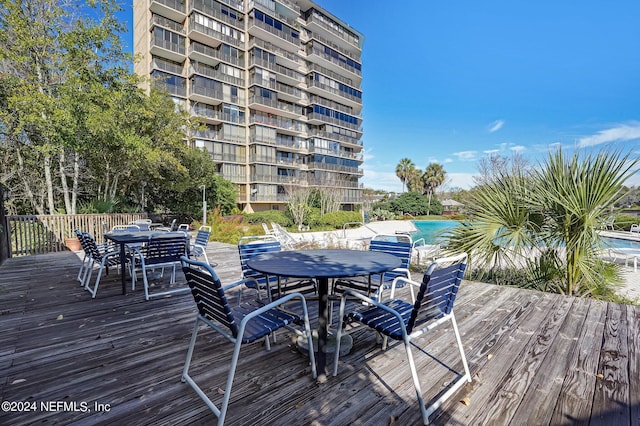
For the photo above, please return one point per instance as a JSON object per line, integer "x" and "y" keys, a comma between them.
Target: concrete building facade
{"x": 277, "y": 84}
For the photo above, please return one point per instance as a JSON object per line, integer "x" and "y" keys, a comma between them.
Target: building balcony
{"x": 319, "y": 100}
{"x": 332, "y": 63}
{"x": 336, "y": 168}
{"x": 209, "y": 36}
{"x": 206, "y": 95}
{"x": 175, "y": 10}
{"x": 227, "y": 158}
{"x": 161, "y": 64}
{"x": 279, "y": 122}
{"x": 324, "y": 90}
{"x": 287, "y": 75}
{"x": 210, "y": 56}
{"x": 335, "y": 137}
{"x": 157, "y": 20}
{"x": 283, "y": 57}
{"x": 339, "y": 36}
{"x": 168, "y": 50}
{"x": 273, "y": 35}
{"x": 316, "y": 118}
{"x": 214, "y": 115}
{"x": 208, "y": 71}
{"x": 275, "y": 106}
{"x": 205, "y": 8}
{"x": 274, "y": 179}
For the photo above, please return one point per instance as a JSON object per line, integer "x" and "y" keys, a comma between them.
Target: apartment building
{"x": 277, "y": 84}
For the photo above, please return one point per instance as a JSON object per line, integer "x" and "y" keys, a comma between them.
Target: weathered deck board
{"x": 534, "y": 358}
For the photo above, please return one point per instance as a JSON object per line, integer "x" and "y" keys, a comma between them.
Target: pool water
{"x": 431, "y": 229}
{"x": 619, "y": 243}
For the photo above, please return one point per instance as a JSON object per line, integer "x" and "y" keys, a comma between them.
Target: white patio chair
{"x": 406, "y": 321}
{"x": 243, "y": 324}
{"x": 199, "y": 246}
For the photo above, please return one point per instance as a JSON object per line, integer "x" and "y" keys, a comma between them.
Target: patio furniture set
{"x": 283, "y": 282}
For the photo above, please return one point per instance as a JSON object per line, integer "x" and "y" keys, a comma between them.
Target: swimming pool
{"x": 430, "y": 229}
{"x": 609, "y": 242}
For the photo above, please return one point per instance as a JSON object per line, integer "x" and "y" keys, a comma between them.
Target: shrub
{"x": 277, "y": 216}
{"x": 337, "y": 219}
{"x": 624, "y": 221}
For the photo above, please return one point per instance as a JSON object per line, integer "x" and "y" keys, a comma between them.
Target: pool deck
{"x": 535, "y": 358}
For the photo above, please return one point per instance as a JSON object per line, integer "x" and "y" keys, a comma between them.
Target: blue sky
{"x": 450, "y": 82}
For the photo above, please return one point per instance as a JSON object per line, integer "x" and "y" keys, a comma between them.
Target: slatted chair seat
{"x": 160, "y": 251}
{"x": 406, "y": 321}
{"x": 242, "y": 324}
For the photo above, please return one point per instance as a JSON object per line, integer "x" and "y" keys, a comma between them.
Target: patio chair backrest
{"x": 208, "y": 294}
{"x": 399, "y": 245}
{"x": 202, "y": 237}
{"x": 90, "y": 246}
{"x": 251, "y": 246}
{"x": 438, "y": 290}
{"x": 125, "y": 228}
{"x": 163, "y": 249}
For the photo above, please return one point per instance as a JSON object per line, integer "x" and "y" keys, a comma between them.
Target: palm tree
{"x": 548, "y": 218}
{"x": 433, "y": 176}
{"x": 404, "y": 169}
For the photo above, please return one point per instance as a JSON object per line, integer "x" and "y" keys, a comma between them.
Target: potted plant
{"x": 72, "y": 242}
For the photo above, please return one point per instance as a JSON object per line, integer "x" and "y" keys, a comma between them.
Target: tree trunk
{"x": 49, "y": 183}
{"x": 63, "y": 181}
{"x": 38, "y": 207}
{"x": 76, "y": 178}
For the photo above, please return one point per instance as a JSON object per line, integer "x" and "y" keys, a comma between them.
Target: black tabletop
{"x": 141, "y": 236}
{"x": 323, "y": 263}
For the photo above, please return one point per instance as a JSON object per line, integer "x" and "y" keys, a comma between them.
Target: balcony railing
{"x": 334, "y": 75}
{"x": 331, "y": 120}
{"x": 217, "y": 114}
{"x": 203, "y": 7}
{"x": 206, "y": 91}
{"x": 216, "y": 74}
{"x": 277, "y": 104}
{"x": 335, "y": 137}
{"x": 178, "y": 5}
{"x": 167, "y": 23}
{"x": 194, "y": 26}
{"x": 313, "y": 83}
{"x": 214, "y": 53}
{"x": 275, "y": 121}
{"x": 164, "y": 65}
{"x": 344, "y": 35}
{"x": 165, "y": 44}
{"x": 318, "y": 52}
{"x": 319, "y": 100}
{"x": 278, "y": 33}
{"x": 265, "y": 45}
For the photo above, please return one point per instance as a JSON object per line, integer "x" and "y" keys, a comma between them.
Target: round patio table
{"x": 322, "y": 265}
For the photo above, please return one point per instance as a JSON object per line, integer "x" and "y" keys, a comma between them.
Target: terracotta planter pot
{"x": 73, "y": 244}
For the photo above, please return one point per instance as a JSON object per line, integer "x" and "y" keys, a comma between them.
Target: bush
{"x": 277, "y": 216}
{"x": 338, "y": 219}
{"x": 624, "y": 221}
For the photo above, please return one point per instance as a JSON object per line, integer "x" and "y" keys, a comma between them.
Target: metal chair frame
{"x": 159, "y": 251}
{"x": 402, "y": 321}
{"x": 245, "y": 323}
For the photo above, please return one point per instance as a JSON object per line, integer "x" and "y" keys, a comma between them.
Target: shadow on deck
{"x": 535, "y": 358}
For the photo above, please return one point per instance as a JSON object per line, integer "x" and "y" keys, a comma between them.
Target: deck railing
{"x": 39, "y": 234}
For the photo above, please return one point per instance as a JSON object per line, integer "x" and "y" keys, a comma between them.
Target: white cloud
{"x": 491, "y": 151}
{"x": 517, "y": 148}
{"x": 386, "y": 181}
{"x": 496, "y": 125}
{"x": 367, "y": 154}
{"x": 466, "y": 155}
{"x": 448, "y": 160}
{"x": 460, "y": 180}
{"x": 622, "y": 132}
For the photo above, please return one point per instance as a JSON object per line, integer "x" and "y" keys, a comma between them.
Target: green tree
{"x": 547, "y": 216}
{"x": 403, "y": 170}
{"x": 413, "y": 203}
{"x": 433, "y": 176}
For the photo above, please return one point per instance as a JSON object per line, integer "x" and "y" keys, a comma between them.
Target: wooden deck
{"x": 535, "y": 358}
